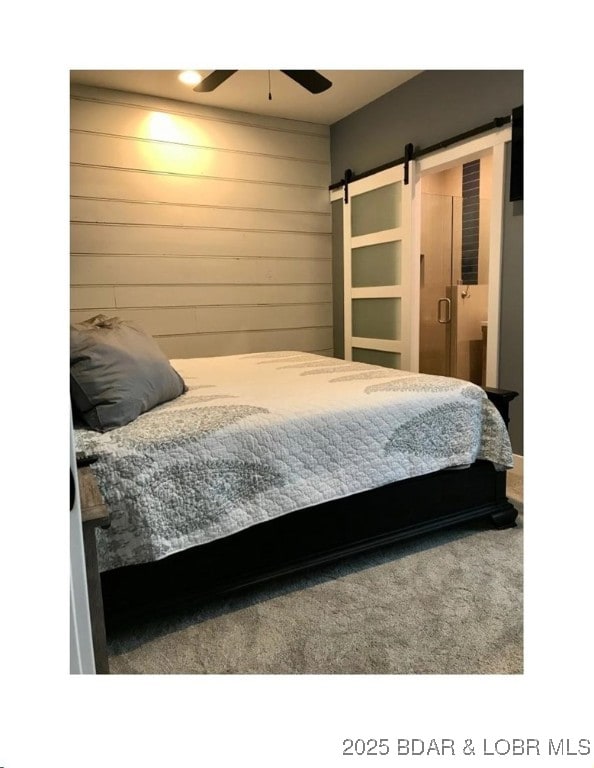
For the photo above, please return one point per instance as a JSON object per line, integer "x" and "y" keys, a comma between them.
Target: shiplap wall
{"x": 209, "y": 228}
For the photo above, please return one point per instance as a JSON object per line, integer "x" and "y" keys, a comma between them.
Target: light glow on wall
{"x": 163, "y": 127}
{"x": 190, "y": 77}
{"x": 177, "y": 145}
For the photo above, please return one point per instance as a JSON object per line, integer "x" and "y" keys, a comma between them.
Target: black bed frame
{"x": 312, "y": 536}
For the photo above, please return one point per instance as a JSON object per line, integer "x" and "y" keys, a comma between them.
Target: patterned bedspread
{"x": 257, "y": 436}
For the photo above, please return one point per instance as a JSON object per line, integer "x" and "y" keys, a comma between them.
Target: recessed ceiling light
{"x": 190, "y": 77}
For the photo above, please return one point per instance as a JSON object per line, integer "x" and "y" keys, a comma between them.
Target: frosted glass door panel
{"x": 377, "y": 269}
{"x": 375, "y": 265}
{"x": 376, "y": 357}
{"x": 376, "y": 210}
{"x": 376, "y": 318}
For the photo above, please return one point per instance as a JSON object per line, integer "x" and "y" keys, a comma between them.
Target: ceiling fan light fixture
{"x": 190, "y": 77}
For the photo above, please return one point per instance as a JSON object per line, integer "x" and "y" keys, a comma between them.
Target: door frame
{"x": 492, "y": 143}
{"x": 82, "y": 660}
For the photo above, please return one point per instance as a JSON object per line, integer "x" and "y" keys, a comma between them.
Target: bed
{"x": 277, "y": 461}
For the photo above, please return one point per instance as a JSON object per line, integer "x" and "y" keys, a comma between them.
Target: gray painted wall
{"x": 434, "y": 106}
{"x": 511, "y": 351}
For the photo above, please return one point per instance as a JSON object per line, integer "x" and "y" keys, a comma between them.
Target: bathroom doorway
{"x": 454, "y": 269}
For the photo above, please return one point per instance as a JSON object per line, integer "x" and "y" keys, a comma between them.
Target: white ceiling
{"x": 247, "y": 90}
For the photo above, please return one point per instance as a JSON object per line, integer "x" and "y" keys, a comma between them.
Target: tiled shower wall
{"x": 471, "y": 180}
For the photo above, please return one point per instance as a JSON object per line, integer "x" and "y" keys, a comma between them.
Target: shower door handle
{"x": 444, "y": 317}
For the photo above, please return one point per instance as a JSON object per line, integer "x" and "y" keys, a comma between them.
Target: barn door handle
{"x": 444, "y": 317}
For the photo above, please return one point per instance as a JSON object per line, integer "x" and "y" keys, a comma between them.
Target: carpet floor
{"x": 445, "y": 603}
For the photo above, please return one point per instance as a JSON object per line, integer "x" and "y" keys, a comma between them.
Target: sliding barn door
{"x": 380, "y": 294}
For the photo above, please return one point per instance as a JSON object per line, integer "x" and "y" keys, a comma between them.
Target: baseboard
{"x": 518, "y": 463}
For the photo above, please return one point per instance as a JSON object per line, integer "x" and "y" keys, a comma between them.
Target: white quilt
{"x": 257, "y": 436}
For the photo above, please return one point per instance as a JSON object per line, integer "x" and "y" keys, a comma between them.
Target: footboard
{"x": 309, "y": 537}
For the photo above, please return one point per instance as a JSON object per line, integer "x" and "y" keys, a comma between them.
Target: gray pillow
{"x": 117, "y": 372}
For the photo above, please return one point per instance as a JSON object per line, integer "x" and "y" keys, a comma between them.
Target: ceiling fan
{"x": 309, "y": 79}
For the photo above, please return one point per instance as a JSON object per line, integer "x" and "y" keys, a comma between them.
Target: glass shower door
{"x": 454, "y": 289}
{"x": 437, "y": 278}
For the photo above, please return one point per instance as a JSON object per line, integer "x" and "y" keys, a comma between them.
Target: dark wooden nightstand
{"x": 501, "y": 398}
{"x": 94, "y": 513}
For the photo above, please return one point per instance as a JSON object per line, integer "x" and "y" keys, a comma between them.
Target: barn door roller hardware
{"x": 411, "y": 154}
{"x": 408, "y": 156}
{"x": 348, "y": 175}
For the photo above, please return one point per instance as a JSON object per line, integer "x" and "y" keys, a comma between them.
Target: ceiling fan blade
{"x": 213, "y": 80}
{"x": 309, "y": 79}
